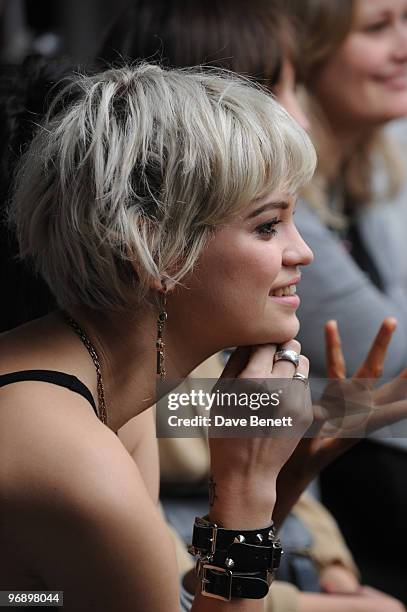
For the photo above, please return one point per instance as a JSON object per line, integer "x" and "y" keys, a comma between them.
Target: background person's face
{"x": 364, "y": 83}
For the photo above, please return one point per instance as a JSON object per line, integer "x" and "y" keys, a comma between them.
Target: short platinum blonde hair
{"x": 135, "y": 168}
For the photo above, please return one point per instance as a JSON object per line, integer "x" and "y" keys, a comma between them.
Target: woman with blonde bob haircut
{"x": 158, "y": 206}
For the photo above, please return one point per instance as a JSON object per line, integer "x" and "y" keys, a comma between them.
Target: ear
{"x": 164, "y": 285}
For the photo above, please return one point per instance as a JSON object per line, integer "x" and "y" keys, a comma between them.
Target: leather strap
{"x": 203, "y": 534}
{"x": 223, "y": 584}
{"x": 235, "y": 563}
{"x": 250, "y": 558}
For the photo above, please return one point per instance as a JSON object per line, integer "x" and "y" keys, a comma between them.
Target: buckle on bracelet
{"x": 276, "y": 553}
{"x": 205, "y": 568}
{"x": 209, "y": 554}
{"x": 213, "y": 540}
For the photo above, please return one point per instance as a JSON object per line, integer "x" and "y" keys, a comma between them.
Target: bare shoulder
{"x": 48, "y": 433}
{"x": 74, "y": 494}
{"x": 140, "y": 440}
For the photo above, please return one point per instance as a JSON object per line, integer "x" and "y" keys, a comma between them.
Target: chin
{"x": 277, "y": 332}
{"x": 283, "y": 333}
{"x": 286, "y": 335}
{"x": 391, "y": 113}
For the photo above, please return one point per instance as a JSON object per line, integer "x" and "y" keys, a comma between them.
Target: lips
{"x": 401, "y": 74}
{"x": 398, "y": 80}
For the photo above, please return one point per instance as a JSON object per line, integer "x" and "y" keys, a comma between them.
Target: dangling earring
{"x": 160, "y": 345}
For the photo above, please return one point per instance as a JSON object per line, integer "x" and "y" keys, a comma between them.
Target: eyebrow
{"x": 270, "y": 205}
{"x": 378, "y": 14}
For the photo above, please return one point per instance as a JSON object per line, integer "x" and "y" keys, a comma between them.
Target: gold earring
{"x": 160, "y": 345}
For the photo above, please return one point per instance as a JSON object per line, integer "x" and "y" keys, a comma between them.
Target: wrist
{"x": 236, "y": 504}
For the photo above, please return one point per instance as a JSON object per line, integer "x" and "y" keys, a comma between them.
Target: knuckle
{"x": 296, "y": 345}
{"x": 264, "y": 348}
{"x": 376, "y": 371}
{"x": 293, "y": 345}
{"x": 304, "y": 361}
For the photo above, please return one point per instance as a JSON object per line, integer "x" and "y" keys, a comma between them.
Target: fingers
{"x": 260, "y": 362}
{"x": 386, "y": 415}
{"x": 303, "y": 366}
{"x": 392, "y": 391}
{"x": 373, "y": 364}
{"x": 283, "y": 368}
{"x": 336, "y": 366}
{"x": 335, "y": 578}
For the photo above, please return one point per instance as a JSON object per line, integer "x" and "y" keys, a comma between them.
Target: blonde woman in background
{"x": 354, "y": 55}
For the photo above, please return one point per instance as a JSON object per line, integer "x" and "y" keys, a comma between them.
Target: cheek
{"x": 228, "y": 293}
{"x": 244, "y": 272}
{"x": 253, "y": 267}
{"x": 364, "y": 59}
{"x": 351, "y": 68}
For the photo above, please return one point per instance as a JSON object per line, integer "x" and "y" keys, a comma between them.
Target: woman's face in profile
{"x": 242, "y": 291}
{"x": 364, "y": 83}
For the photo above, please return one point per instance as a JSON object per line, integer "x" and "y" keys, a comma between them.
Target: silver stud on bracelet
{"x": 239, "y": 539}
{"x": 271, "y": 534}
{"x": 229, "y": 563}
{"x": 259, "y": 537}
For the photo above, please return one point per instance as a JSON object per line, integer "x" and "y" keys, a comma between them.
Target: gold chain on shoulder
{"x": 94, "y": 356}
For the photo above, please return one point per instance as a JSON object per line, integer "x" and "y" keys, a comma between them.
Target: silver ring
{"x": 301, "y": 377}
{"x": 287, "y": 355}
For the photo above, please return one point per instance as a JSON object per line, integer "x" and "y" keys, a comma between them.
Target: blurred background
{"x": 53, "y": 27}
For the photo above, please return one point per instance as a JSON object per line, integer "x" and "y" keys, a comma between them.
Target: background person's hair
{"x": 323, "y": 26}
{"x": 249, "y": 38}
{"x": 134, "y": 169}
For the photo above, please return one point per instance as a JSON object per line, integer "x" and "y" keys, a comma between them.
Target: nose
{"x": 400, "y": 42}
{"x": 297, "y": 251}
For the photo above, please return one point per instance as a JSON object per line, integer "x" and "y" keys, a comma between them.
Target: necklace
{"x": 94, "y": 356}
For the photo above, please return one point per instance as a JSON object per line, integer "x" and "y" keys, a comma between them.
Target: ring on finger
{"x": 287, "y": 355}
{"x": 301, "y": 377}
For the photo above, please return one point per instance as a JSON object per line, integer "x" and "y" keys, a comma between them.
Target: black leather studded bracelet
{"x": 235, "y": 563}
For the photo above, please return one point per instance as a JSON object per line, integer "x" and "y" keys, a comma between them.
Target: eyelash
{"x": 381, "y": 25}
{"x": 376, "y": 27}
{"x": 268, "y": 229}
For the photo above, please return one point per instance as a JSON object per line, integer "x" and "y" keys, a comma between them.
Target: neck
{"x": 126, "y": 349}
{"x": 343, "y": 137}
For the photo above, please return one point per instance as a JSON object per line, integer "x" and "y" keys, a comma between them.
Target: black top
{"x": 353, "y": 241}
{"x": 51, "y": 376}
{"x": 361, "y": 255}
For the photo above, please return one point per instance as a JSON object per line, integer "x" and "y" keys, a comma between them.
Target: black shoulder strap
{"x": 51, "y": 376}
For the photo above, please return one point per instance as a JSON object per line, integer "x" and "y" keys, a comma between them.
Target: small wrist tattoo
{"x": 212, "y": 491}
